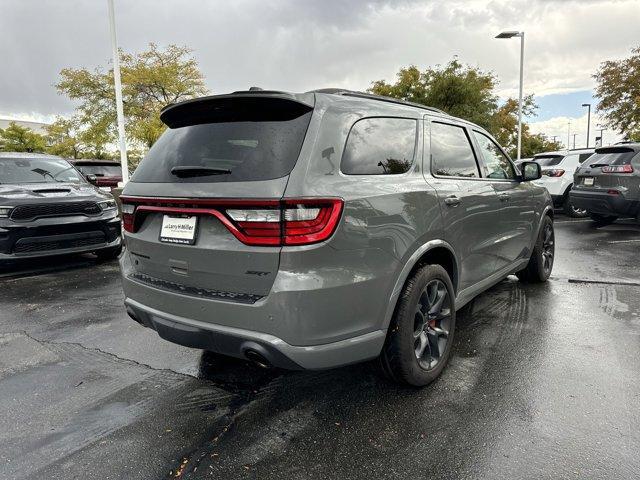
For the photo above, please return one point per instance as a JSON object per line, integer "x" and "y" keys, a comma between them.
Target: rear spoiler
{"x": 614, "y": 150}
{"x": 250, "y": 106}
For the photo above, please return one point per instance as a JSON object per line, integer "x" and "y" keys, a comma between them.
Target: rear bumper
{"x": 238, "y": 342}
{"x": 558, "y": 200}
{"x": 604, "y": 203}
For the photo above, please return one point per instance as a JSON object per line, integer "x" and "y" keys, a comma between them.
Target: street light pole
{"x": 588, "y": 105}
{"x": 574, "y": 140}
{"x": 124, "y": 164}
{"x": 521, "y": 35}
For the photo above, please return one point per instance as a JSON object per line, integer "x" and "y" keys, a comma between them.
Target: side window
{"x": 451, "y": 152}
{"x": 378, "y": 146}
{"x": 498, "y": 165}
{"x": 584, "y": 156}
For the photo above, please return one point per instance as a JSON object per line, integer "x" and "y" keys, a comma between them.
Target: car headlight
{"x": 5, "y": 211}
{"x": 107, "y": 204}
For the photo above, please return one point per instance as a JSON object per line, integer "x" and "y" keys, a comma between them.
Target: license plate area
{"x": 179, "y": 229}
{"x": 588, "y": 181}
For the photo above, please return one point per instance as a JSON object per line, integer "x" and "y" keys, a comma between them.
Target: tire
{"x": 109, "y": 253}
{"x": 569, "y": 210}
{"x": 602, "y": 220}
{"x": 424, "y": 321}
{"x": 540, "y": 263}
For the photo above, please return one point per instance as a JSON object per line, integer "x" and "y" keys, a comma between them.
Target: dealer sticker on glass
{"x": 178, "y": 229}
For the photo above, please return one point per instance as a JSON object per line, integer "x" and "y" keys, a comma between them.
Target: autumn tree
{"x": 150, "y": 80}
{"x": 16, "y": 138}
{"x": 618, "y": 94}
{"x": 469, "y": 93}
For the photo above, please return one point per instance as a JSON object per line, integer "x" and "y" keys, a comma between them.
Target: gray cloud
{"x": 304, "y": 44}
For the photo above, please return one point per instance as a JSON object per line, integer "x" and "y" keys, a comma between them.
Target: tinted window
{"x": 236, "y": 151}
{"x": 451, "y": 152}
{"x": 549, "y": 161}
{"x": 614, "y": 156}
{"x": 497, "y": 163}
{"x": 584, "y": 156}
{"x": 378, "y": 146}
{"x": 37, "y": 170}
{"x": 101, "y": 170}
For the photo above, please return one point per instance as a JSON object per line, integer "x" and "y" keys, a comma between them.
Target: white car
{"x": 557, "y": 176}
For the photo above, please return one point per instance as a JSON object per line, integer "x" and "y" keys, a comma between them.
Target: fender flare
{"x": 406, "y": 270}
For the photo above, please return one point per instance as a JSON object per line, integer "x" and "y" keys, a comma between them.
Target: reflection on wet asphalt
{"x": 544, "y": 382}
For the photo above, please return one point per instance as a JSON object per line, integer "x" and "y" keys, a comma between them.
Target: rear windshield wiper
{"x": 195, "y": 171}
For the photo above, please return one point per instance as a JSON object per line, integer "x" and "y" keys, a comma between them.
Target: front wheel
{"x": 541, "y": 261}
{"x": 420, "y": 335}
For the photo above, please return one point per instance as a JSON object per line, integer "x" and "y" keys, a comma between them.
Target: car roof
{"x": 89, "y": 161}
{"x": 564, "y": 153}
{"x": 22, "y": 155}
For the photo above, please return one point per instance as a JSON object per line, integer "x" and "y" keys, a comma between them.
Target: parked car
{"x": 607, "y": 186}
{"x": 325, "y": 228}
{"x": 102, "y": 173}
{"x": 557, "y": 176}
{"x": 48, "y": 208}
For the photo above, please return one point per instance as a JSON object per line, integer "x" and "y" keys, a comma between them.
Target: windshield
{"x": 549, "y": 161}
{"x": 37, "y": 170}
{"x": 225, "y": 152}
{"x": 101, "y": 170}
{"x": 611, "y": 158}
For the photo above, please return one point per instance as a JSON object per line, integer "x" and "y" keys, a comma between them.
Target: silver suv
{"x": 308, "y": 231}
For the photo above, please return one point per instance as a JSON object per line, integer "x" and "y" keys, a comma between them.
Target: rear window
{"x": 233, "y": 151}
{"x": 613, "y": 156}
{"x": 101, "y": 170}
{"x": 548, "y": 161}
{"x": 379, "y": 146}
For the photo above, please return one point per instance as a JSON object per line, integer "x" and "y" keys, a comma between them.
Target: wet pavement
{"x": 544, "y": 382}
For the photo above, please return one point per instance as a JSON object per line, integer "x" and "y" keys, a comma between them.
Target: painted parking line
{"x": 625, "y": 241}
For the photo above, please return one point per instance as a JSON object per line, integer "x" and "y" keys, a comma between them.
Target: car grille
{"x": 195, "y": 291}
{"x": 43, "y": 244}
{"x": 29, "y": 212}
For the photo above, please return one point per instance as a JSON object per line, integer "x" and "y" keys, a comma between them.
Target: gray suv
{"x": 308, "y": 231}
{"x": 607, "y": 185}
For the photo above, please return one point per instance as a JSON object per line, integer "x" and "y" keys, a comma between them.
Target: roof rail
{"x": 380, "y": 98}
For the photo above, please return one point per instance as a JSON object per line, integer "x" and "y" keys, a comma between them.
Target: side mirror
{"x": 530, "y": 171}
{"x": 92, "y": 179}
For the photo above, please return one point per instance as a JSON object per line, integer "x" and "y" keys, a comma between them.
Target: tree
{"x": 150, "y": 80}
{"x": 469, "y": 93}
{"x": 462, "y": 91}
{"x": 62, "y": 138}
{"x": 618, "y": 92}
{"x": 15, "y": 138}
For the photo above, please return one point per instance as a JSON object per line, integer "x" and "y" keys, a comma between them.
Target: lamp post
{"x": 118, "y": 88}
{"x": 521, "y": 35}
{"x": 588, "y": 105}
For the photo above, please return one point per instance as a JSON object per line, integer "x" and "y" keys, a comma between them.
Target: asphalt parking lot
{"x": 544, "y": 382}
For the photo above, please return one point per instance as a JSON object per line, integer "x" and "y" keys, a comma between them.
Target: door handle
{"x": 504, "y": 197}
{"x": 452, "y": 201}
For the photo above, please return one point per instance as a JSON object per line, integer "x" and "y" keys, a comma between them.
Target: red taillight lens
{"x": 262, "y": 222}
{"x": 554, "y": 172}
{"x": 618, "y": 169}
{"x": 128, "y": 212}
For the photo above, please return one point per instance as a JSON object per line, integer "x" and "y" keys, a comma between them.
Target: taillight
{"x": 554, "y": 172}
{"x": 128, "y": 210}
{"x": 617, "y": 169}
{"x": 262, "y": 222}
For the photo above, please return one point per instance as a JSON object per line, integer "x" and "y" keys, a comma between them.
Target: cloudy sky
{"x": 304, "y": 44}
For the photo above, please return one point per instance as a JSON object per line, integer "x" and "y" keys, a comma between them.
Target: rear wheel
{"x": 571, "y": 211}
{"x": 602, "y": 220}
{"x": 541, "y": 262}
{"x": 420, "y": 335}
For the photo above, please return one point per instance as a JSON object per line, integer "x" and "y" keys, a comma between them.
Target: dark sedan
{"x": 48, "y": 208}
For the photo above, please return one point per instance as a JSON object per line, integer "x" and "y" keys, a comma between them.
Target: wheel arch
{"x": 434, "y": 252}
